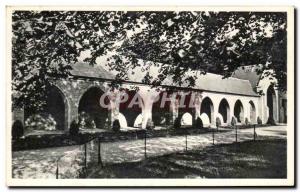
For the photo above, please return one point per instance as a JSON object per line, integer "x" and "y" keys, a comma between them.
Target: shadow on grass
{"x": 250, "y": 159}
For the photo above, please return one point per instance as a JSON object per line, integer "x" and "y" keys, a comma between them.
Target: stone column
{"x": 73, "y": 111}
{"x": 148, "y": 95}
{"x": 231, "y": 111}
{"x": 114, "y": 108}
{"x": 174, "y": 107}
{"x": 197, "y": 104}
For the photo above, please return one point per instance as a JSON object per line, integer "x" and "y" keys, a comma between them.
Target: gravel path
{"x": 42, "y": 163}
{"x": 125, "y": 151}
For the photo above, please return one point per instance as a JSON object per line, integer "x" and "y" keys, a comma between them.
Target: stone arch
{"x": 67, "y": 105}
{"x": 272, "y": 103}
{"x": 218, "y": 115}
{"x": 239, "y": 111}
{"x": 87, "y": 85}
{"x": 186, "y": 119}
{"x": 184, "y": 101}
{"x": 122, "y": 120}
{"x": 89, "y": 103}
{"x": 207, "y": 107}
{"x": 224, "y": 110}
{"x": 205, "y": 119}
{"x": 138, "y": 121}
{"x": 131, "y": 112}
{"x": 252, "y": 110}
{"x": 56, "y": 105}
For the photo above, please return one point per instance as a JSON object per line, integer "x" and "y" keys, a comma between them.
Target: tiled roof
{"x": 207, "y": 82}
{"x": 87, "y": 70}
{"x": 214, "y": 82}
{"x": 248, "y": 73}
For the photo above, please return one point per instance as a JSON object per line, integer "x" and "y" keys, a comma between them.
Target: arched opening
{"x": 186, "y": 119}
{"x": 131, "y": 108}
{"x": 224, "y": 110}
{"x": 239, "y": 111}
{"x": 205, "y": 119}
{"x": 138, "y": 121}
{"x": 122, "y": 120}
{"x": 17, "y": 129}
{"x": 186, "y": 108}
{"x": 271, "y": 103}
{"x": 252, "y": 112}
{"x": 161, "y": 115}
{"x": 207, "y": 107}
{"x": 90, "y": 105}
{"x": 55, "y": 108}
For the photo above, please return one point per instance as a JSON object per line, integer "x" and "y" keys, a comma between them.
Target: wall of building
{"x": 73, "y": 90}
{"x": 232, "y": 99}
{"x": 282, "y": 107}
{"x": 18, "y": 114}
{"x": 263, "y": 86}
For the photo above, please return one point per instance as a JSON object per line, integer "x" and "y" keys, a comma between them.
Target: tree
{"x": 213, "y": 42}
{"x": 47, "y": 43}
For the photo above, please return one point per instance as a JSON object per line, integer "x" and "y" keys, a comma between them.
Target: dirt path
{"x": 42, "y": 163}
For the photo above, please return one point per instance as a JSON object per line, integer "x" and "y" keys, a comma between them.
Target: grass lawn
{"x": 250, "y": 159}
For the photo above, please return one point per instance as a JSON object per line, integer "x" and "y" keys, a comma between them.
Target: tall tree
{"x": 48, "y": 43}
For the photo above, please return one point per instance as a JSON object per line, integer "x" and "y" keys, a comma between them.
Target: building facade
{"x": 213, "y": 98}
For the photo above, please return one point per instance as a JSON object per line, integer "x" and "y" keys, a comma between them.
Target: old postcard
{"x": 150, "y": 96}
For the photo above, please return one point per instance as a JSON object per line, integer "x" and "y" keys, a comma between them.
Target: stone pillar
{"x": 148, "y": 95}
{"x": 231, "y": 111}
{"x": 215, "y": 113}
{"x": 115, "y": 97}
{"x": 73, "y": 112}
{"x": 197, "y": 104}
{"x": 174, "y": 107}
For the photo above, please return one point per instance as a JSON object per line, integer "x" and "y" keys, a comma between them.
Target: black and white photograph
{"x": 162, "y": 96}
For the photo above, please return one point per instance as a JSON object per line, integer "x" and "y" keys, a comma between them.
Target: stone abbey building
{"x": 234, "y": 97}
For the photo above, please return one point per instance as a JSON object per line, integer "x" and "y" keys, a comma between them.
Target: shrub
{"x": 177, "y": 123}
{"x": 271, "y": 121}
{"x": 90, "y": 124}
{"x": 107, "y": 124}
{"x": 246, "y": 121}
{"x": 233, "y": 121}
{"x": 86, "y": 121}
{"x": 74, "y": 128}
{"x": 159, "y": 118}
{"x": 41, "y": 122}
{"x": 17, "y": 130}
{"x": 116, "y": 126}
{"x": 198, "y": 123}
{"x": 168, "y": 117}
{"x": 259, "y": 121}
{"x": 150, "y": 125}
{"x": 218, "y": 122}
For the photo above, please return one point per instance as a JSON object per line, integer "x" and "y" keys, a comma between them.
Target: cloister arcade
{"x": 225, "y": 100}
{"x": 212, "y": 105}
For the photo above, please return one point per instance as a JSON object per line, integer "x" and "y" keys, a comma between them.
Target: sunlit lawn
{"x": 250, "y": 159}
